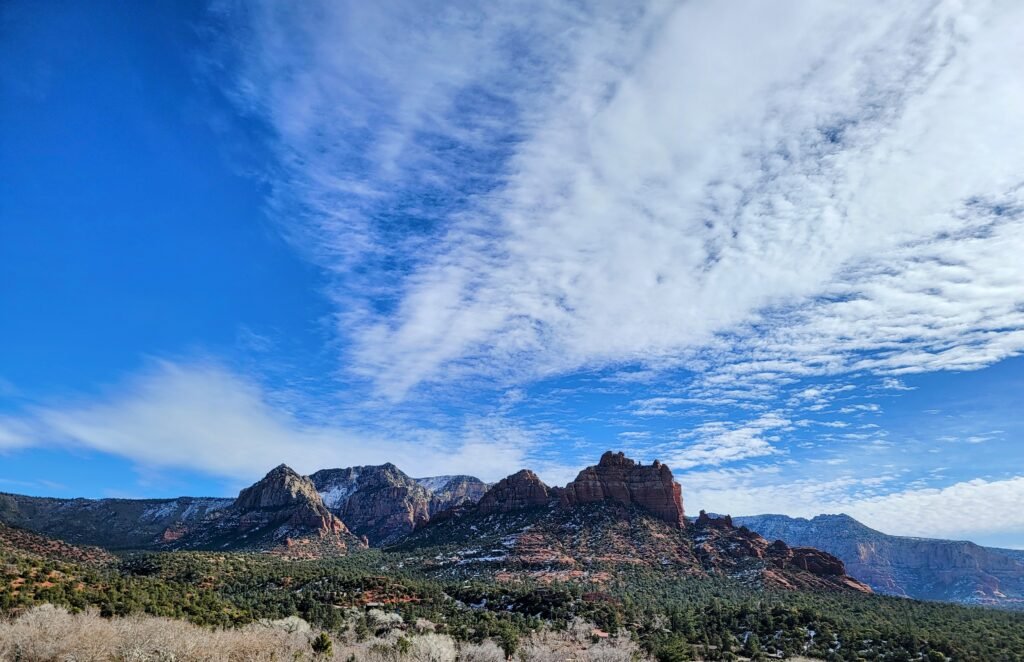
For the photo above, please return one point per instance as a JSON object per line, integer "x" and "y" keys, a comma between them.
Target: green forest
{"x": 672, "y": 618}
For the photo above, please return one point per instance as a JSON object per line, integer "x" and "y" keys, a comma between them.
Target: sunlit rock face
{"x": 282, "y": 513}
{"x": 520, "y": 490}
{"x": 620, "y": 479}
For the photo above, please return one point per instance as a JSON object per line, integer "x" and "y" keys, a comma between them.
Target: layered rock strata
{"x": 622, "y": 480}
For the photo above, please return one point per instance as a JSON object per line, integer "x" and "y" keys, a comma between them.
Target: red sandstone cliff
{"x": 620, "y": 479}
{"x": 520, "y": 490}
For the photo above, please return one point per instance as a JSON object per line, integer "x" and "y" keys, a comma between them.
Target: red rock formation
{"x": 620, "y": 479}
{"x": 282, "y": 512}
{"x": 721, "y": 545}
{"x": 292, "y": 498}
{"x": 520, "y": 490}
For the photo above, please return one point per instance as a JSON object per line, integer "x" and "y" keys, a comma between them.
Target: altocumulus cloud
{"x": 752, "y": 189}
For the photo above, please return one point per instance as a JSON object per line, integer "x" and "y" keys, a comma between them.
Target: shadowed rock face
{"x": 520, "y": 490}
{"x": 379, "y": 502}
{"x": 622, "y": 480}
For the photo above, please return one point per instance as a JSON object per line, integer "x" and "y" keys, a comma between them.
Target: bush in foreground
{"x": 52, "y": 634}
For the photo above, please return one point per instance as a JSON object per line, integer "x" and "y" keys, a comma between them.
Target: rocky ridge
{"x": 922, "y": 568}
{"x": 595, "y": 540}
{"x": 451, "y": 491}
{"x": 114, "y": 524}
{"x": 719, "y": 543}
{"x": 379, "y": 502}
{"x": 614, "y": 514}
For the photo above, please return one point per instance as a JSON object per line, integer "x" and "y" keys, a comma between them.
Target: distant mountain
{"x": 383, "y": 503}
{"x": 113, "y": 524}
{"x": 380, "y": 503}
{"x": 923, "y": 568}
{"x": 450, "y": 491}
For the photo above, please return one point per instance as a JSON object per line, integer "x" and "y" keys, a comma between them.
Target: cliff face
{"x": 516, "y": 492}
{"x": 379, "y": 502}
{"x": 281, "y": 513}
{"x": 922, "y": 568}
{"x": 622, "y": 480}
{"x": 451, "y": 491}
{"x": 383, "y": 503}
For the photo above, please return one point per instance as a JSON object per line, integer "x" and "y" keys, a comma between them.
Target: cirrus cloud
{"x": 815, "y": 188}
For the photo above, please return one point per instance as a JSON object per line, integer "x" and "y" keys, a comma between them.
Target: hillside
{"x": 19, "y": 542}
{"x": 376, "y": 594}
{"x": 114, "y": 524}
{"x": 615, "y": 515}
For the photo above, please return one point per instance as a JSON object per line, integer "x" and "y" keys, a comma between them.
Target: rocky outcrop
{"x": 593, "y": 541}
{"x": 281, "y": 513}
{"x": 742, "y": 552}
{"x": 516, "y": 492}
{"x": 280, "y": 488}
{"x": 384, "y": 503}
{"x": 922, "y": 568}
{"x": 622, "y": 480}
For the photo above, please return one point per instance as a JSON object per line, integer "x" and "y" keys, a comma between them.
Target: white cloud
{"x": 895, "y": 384}
{"x": 14, "y": 433}
{"x": 808, "y": 189}
{"x": 967, "y": 509}
{"x": 712, "y": 444}
{"x": 205, "y": 417}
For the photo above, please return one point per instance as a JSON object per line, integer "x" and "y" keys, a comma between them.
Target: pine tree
{"x": 322, "y": 645}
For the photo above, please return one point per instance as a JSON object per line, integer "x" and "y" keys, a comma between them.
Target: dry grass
{"x": 51, "y": 634}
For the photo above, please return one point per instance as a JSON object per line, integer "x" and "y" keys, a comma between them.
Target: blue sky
{"x": 777, "y": 249}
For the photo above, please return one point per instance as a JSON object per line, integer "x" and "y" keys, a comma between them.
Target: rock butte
{"x": 620, "y": 479}
{"x": 522, "y": 489}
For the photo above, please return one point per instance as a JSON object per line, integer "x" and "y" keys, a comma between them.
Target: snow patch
{"x": 336, "y": 496}
{"x": 434, "y": 483}
{"x": 161, "y": 511}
